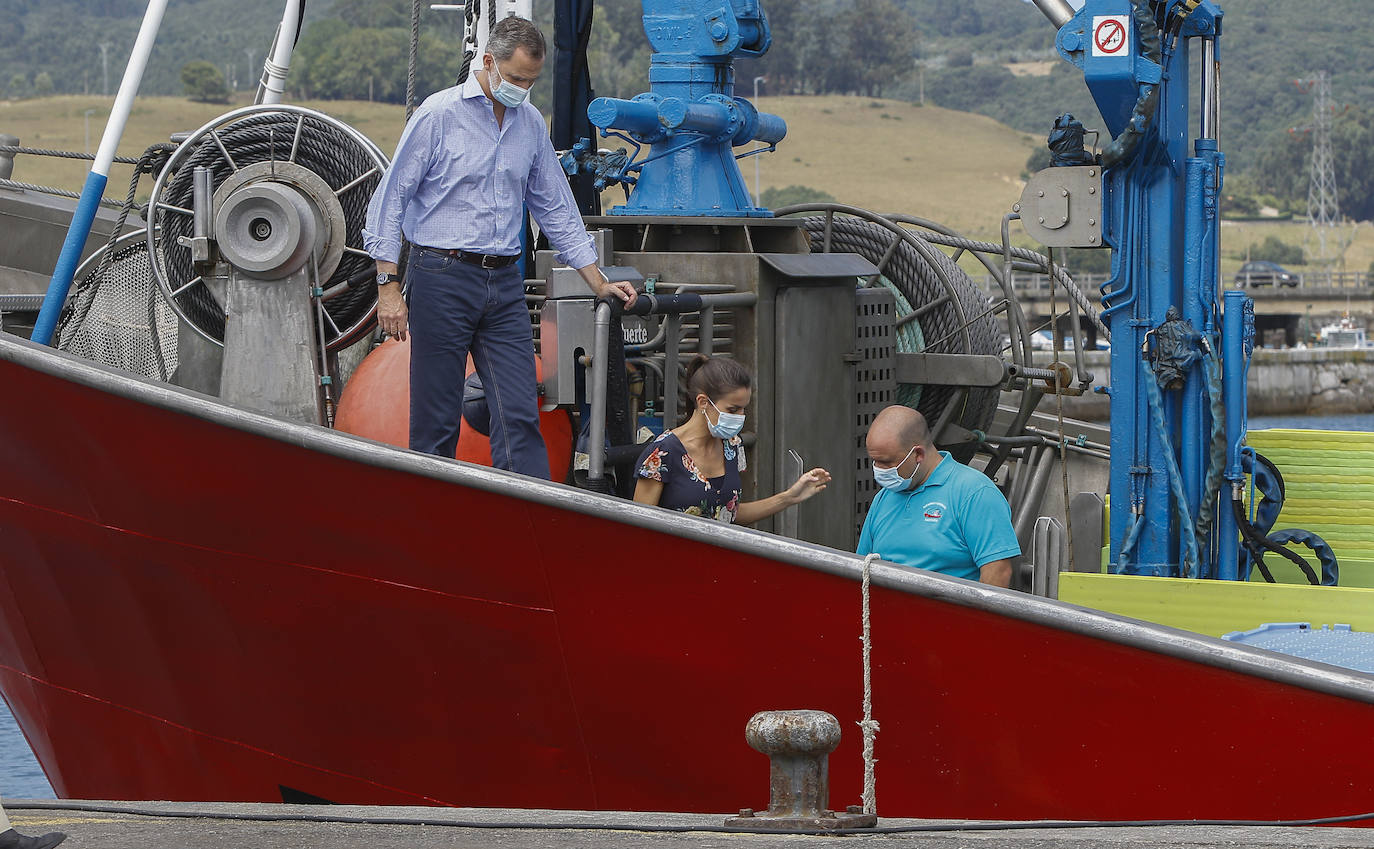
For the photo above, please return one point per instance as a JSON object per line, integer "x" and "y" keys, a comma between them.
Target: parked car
{"x": 1264, "y": 273}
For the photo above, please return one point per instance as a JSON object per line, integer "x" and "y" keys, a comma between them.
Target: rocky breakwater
{"x": 1288, "y": 381}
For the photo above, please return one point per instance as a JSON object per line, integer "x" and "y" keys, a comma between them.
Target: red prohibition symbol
{"x": 1110, "y": 36}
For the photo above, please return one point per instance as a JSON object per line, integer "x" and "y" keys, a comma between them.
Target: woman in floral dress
{"x": 695, "y": 467}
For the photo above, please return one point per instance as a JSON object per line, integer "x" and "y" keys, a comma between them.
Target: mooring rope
{"x": 869, "y": 725}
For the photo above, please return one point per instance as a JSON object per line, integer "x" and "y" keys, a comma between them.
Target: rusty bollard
{"x": 798, "y": 744}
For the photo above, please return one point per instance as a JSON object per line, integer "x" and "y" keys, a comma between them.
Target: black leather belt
{"x": 488, "y": 261}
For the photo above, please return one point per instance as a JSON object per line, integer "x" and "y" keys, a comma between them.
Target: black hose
{"x": 1257, "y": 543}
{"x": 936, "y": 828}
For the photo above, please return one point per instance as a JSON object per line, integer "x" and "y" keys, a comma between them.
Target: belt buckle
{"x": 489, "y": 261}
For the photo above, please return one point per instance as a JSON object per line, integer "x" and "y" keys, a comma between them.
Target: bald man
{"x": 933, "y": 512}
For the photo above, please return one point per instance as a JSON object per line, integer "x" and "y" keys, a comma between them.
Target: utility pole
{"x": 87, "y": 116}
{"x": 758, "y": 198}
{"x": 252, "y": 57}
{"x": 105, "y": 68}
{"x": 1323, "y": 206}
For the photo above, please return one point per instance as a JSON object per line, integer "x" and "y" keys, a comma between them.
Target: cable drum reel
{"x": 290, "y": 187}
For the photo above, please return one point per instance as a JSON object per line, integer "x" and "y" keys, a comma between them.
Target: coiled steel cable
{"x": 324, "y": 150}
{"x": 1056, "y": 272}
{"x": 954, "y": 316}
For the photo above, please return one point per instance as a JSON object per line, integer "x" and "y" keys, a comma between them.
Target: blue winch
{"x": 690, "y": 118}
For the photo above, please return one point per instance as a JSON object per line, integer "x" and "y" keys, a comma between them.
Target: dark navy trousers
{"x": 456, "y": 309}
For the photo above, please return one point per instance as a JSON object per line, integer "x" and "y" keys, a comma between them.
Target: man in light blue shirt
{"x": 469, "y": 162}
{"x": 934, "y": 512}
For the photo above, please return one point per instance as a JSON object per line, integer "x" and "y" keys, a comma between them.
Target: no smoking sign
{"x": 1111, "y": 35}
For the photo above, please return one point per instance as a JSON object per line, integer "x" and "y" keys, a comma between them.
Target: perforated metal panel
{"x": 875, "y": 383}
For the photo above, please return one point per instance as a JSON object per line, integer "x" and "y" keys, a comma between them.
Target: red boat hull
{"x": 197, "y": 603}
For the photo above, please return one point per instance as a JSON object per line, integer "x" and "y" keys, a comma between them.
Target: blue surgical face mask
{"x": 890, "y": 478}
{"x": 727, "y": 426}
{"x": 508, "y": 94}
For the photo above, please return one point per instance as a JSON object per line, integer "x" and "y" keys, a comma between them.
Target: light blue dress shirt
{"x": 460, "y": 181}
{"x": 956, "y": 522}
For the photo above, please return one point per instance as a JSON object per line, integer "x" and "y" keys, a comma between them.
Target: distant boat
{"x": 1343, "y": 334}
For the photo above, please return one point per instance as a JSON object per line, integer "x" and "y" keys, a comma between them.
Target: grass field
{"x": 957, "y": 168}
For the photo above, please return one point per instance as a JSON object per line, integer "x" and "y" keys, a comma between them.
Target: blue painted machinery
{"x": 1169, "y": 437}
{"x": 1180, "y": 351}
{"x": 690, "y": 120}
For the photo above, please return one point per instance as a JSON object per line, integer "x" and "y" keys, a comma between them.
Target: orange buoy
{"x": 376, "y": 405}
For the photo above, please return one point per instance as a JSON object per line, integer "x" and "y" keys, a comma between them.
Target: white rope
{"x": 869, "y": 725}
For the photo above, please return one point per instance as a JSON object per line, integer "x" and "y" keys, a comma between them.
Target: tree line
{"x": 960, "y": 54}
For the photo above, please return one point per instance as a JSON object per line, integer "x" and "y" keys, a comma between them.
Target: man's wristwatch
{"x": 384, "y": 277}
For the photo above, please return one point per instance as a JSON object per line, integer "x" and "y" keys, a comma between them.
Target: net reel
{"x": 116, "y": 316}
{"x": 288, "y": 188}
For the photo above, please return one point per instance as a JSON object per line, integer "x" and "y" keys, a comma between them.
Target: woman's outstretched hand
{"x": 808, "y": 485}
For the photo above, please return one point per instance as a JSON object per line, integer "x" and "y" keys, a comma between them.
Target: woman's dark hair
{"x": 714, "y": 377}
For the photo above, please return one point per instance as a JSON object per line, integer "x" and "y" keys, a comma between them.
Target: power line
{"x": 1323, "y": 205}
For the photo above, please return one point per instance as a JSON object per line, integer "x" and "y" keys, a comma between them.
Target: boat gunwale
{"x": 1050, "y": 613}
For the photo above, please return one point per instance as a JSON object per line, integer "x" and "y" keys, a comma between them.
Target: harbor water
{"x": 21, "y": 777}
{"x": 1349, "y": 421}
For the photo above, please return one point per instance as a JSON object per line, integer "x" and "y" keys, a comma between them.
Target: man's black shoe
{"x": 14, "y": 840}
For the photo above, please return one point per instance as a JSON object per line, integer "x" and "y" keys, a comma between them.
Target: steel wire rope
{"x": 413, "y": 57}
{"x": 1018, "y": 334}
{"x": 917, "y": 273}
{"x": 1056, "y": 272}
{"x": 941, "y": 293}
{"x": 56, "y": 192}
{"x": 62, "y": 154}
{"x": 269, "y": 136}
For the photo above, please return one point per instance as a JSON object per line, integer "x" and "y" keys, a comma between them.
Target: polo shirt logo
{"x": 933, "y": 512}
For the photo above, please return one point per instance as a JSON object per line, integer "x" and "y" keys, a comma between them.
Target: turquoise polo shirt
{"x": 956, "y": 522}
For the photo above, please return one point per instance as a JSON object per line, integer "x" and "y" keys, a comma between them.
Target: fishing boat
{"x": 1344, "y": 333}
{"x": 212, "y": 591}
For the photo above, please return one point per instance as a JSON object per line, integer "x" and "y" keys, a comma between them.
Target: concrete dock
{"x": 164, "y": 825}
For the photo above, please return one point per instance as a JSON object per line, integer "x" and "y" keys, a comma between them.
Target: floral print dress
{"x": 685, "y": 488}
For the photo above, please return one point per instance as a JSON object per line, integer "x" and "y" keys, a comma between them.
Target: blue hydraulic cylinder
{"x": 1160, "y": 217}
{"x": 1202, "y": 183}
{"x": 1237, "y": 342}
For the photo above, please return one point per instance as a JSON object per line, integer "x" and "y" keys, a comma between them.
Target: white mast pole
{"x": 94, "y": 189}
{"x": 278, "y": 61}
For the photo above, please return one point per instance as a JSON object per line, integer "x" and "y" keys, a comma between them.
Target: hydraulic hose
{"x": 1257, "y": 544}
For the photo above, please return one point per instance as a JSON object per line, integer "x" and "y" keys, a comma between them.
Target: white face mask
{"x": 508, "y": 94}
{"x": 890, "y": 478}
{"x": 727, "y": 426}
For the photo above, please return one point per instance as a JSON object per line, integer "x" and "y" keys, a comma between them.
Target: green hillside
{"x": 957, "y": 168}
